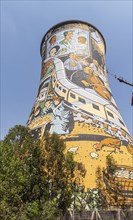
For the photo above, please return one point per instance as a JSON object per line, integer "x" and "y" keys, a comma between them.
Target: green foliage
{"x": 35, "y": 176}
{"x": 21, "y": 175}
{"x": 111, "y": 195}
{"x": 111, "y": 164}
{"x": 60, "y": 170}
{"x": 103, "y": 203}
{"x": 85, "y": 200}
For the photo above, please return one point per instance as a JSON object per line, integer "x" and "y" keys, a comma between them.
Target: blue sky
{"x": 23, "y": 24}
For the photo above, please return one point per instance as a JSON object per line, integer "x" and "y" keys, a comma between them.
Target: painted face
{"x": 52, "y": 40}
{"x": 47, "y": 104}
{"x": 36, "y": 109}
{"x": 41, "y": 96}
{"x": 82, "y": 40}
{"x": 69, "y": 36}
{"x": 56, "y": 101}
{"x": 88, "y": 70}
{"x": 52, "y": 52}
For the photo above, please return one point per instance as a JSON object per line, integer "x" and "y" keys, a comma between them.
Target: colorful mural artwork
{"x": 74, "y": 98}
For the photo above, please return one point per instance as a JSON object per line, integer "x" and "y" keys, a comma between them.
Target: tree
{"x": 61, "y": 171}
{"x": 111, "y": 191}
{"x": 36, "y": 177}
{"x": 22, "y": 182}
{"x": 115, "y": 191}
{"x": 111, "y": 164}
{"x": 103, "y": 202}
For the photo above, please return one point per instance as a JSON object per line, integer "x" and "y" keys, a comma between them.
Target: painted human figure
{"x": 53, "y": 51}
{"x": 67, "y": 40}
{"x": 72, "y": 63}
{"x": 52, "y": 40}
{"x": 87, "y": 78}
{"x": 96, "y": 83}
{"x": 82, "y": 45}
{"x": 99, "y": 71}
{"x": 61, "y": 118}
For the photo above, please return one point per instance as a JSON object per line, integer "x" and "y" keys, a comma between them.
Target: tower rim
{"x": 70, "y": 22}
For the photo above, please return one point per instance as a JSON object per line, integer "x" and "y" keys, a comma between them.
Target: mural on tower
{"x": 74, "y": 97}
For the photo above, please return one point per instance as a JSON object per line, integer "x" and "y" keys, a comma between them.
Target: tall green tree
{"x": 111, "y": 164}
{"x": 36, "y": 176}
{"x": 62, "y": 172}
{"x": 103, "y": 195}
{"x": 21, "y": 177}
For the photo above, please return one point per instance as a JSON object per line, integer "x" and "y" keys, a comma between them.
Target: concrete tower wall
{"x": 74, "y": 97}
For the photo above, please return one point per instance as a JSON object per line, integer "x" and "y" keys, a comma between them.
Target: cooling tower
{"x": 74, "y": 98}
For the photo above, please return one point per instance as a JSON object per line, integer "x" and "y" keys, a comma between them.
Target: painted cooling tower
{"x": 74, "y": 98}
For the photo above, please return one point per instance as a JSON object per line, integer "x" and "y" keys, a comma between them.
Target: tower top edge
{"x": 70, "y": 22}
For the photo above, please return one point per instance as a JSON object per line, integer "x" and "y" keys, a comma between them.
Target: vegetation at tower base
{"x": 111, "y": 164}
{"x": 61, "y": 171}
{"x": 36, "y": 178}
{"x": 39, "y": 181}
{"x": 111, "y": 194}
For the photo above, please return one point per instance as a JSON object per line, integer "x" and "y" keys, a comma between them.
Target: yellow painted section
{"x": 87, "y": 147}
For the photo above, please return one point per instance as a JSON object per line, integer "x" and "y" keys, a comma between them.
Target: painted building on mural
{"x": 74, "y": 98}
